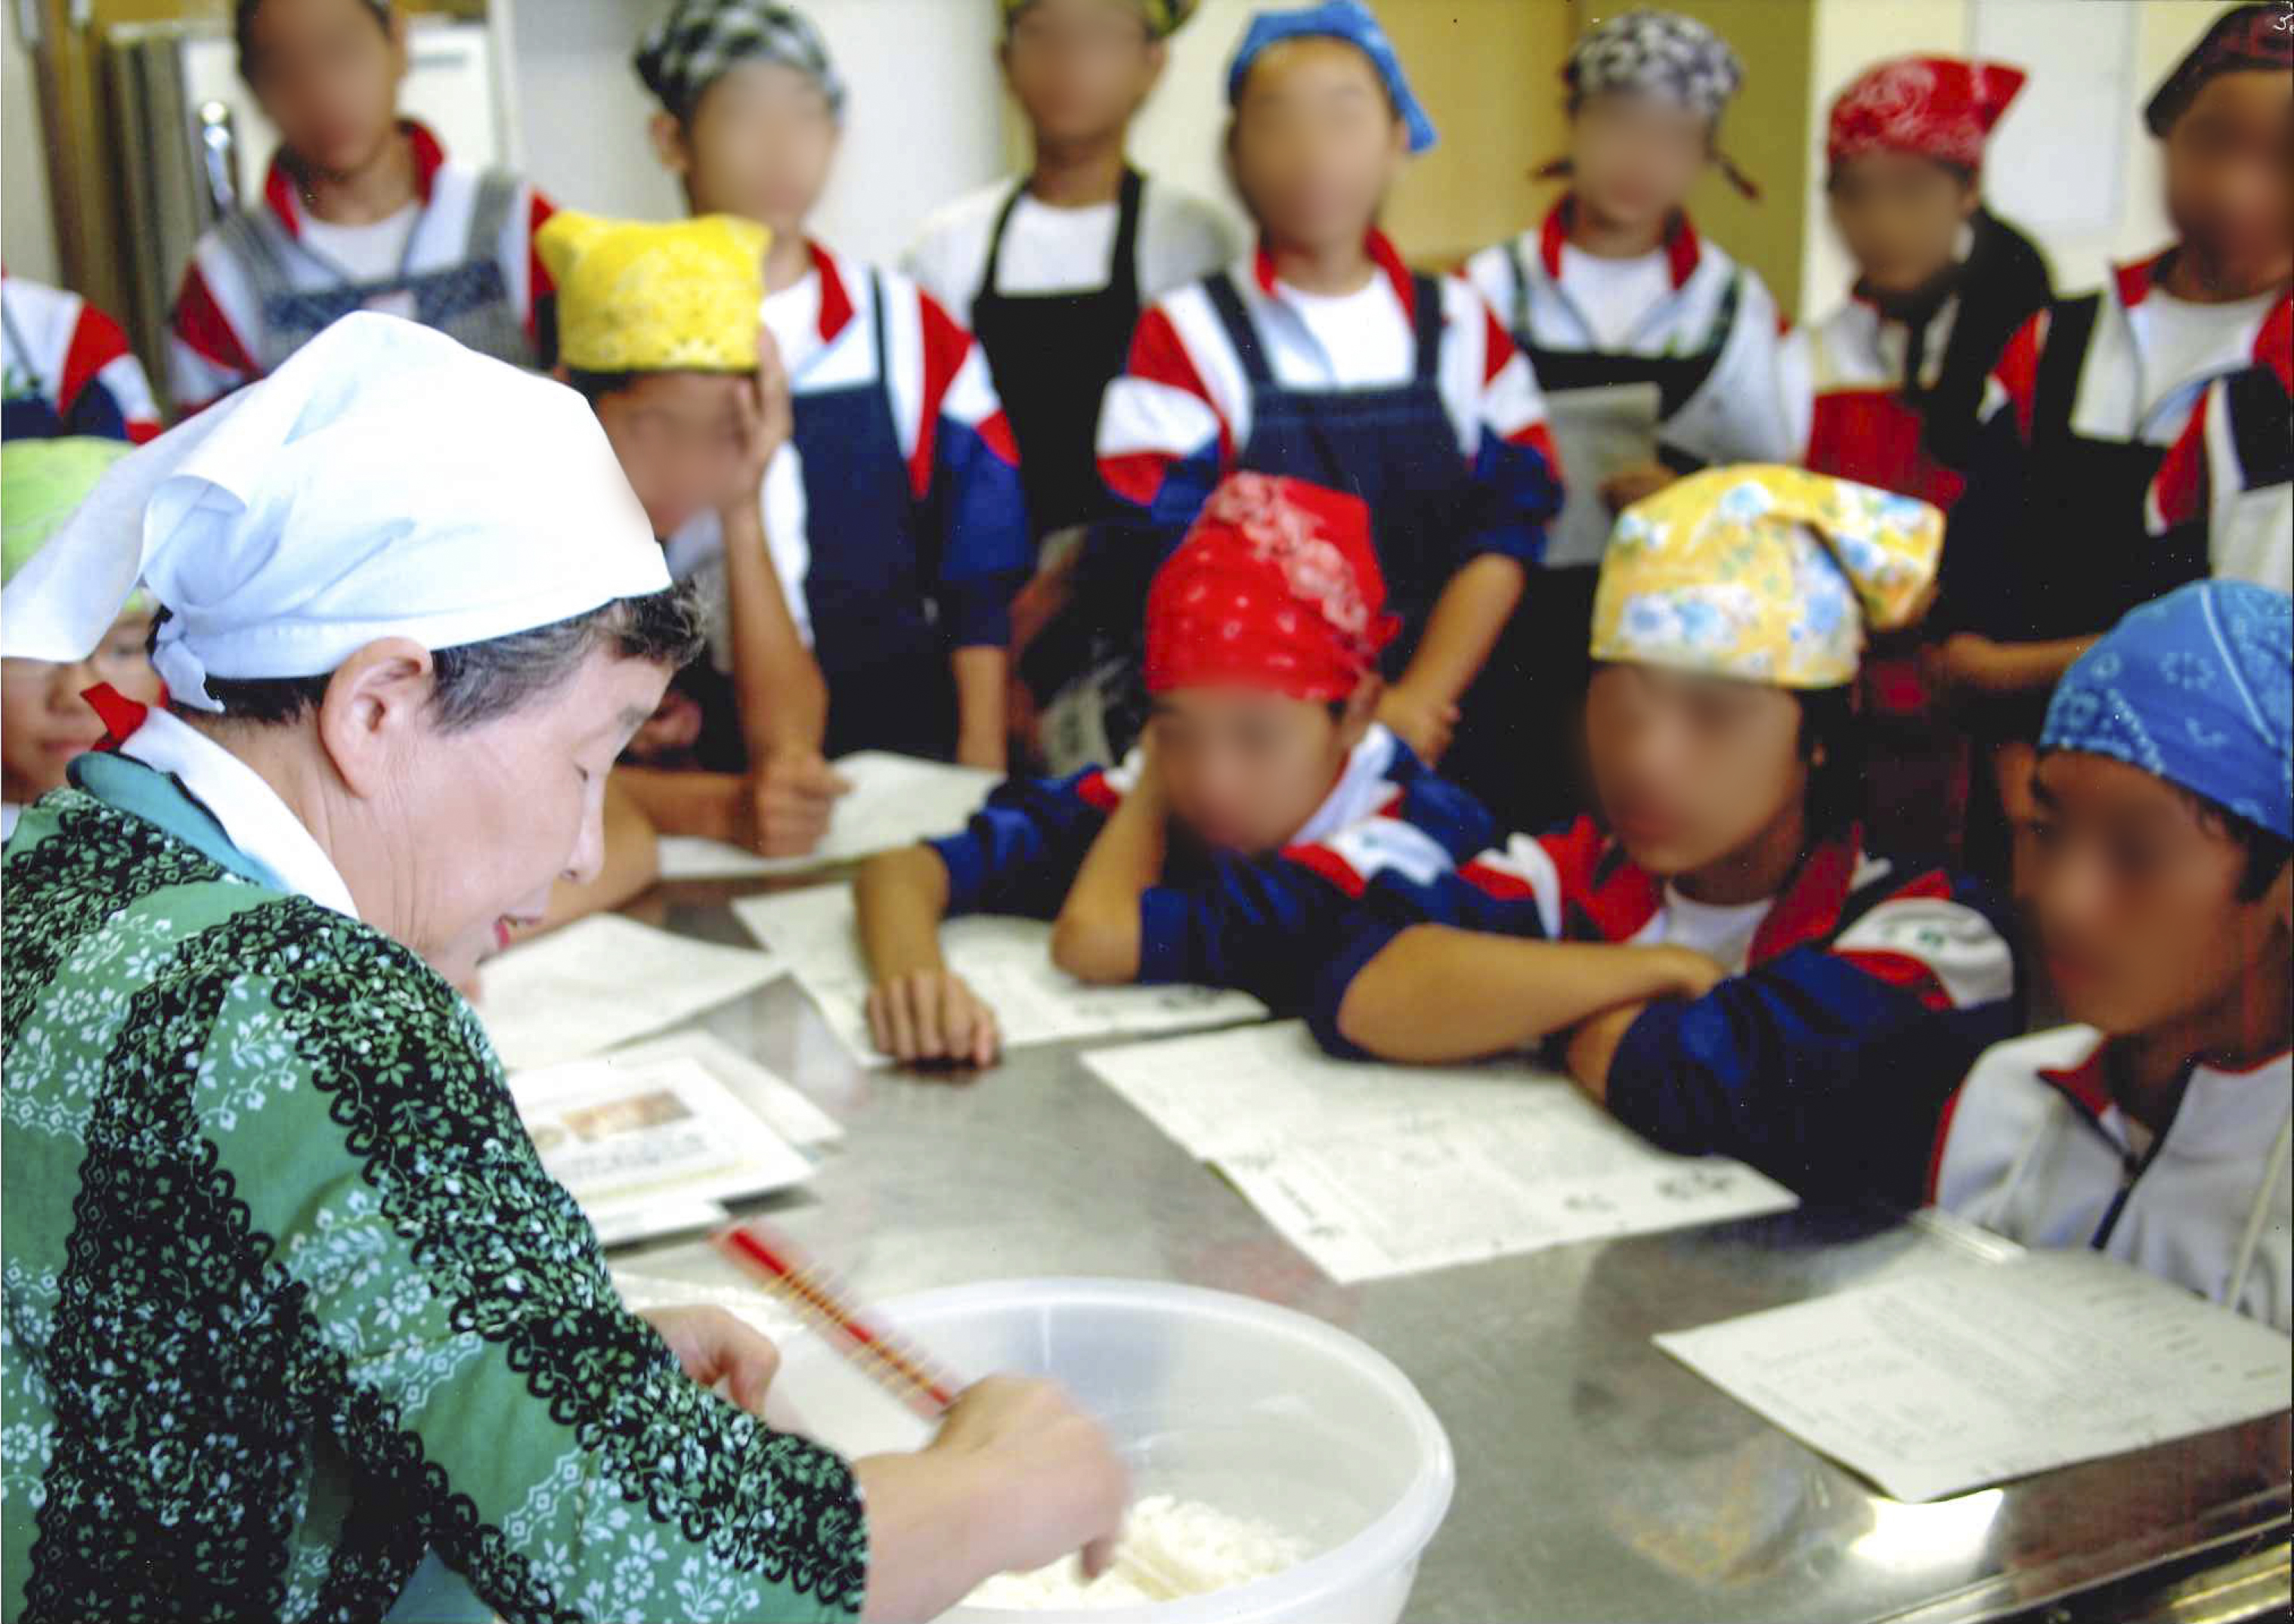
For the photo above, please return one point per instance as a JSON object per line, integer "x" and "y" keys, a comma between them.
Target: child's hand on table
{"x": 929, "y": 1015}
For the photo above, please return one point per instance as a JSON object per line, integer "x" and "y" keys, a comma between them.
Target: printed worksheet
{"x": 1007, "y": 962}
{"x": 1947, "y": 1380}
{"x": 645, "y": 1148}
{"x": 1373, "y": 1171}
{"x": 787, "y": 1111}
{"x": 602, "y": 981}
{"x": 895, "y": 801}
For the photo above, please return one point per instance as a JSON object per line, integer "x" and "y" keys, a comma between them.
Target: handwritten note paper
{"x": 1374, "y": 1171}
{"x": 895, "y": 801}
{"x": 1006, "y": 962}
{"x": 602, "y": 981}
{"x": 627, "y": 1139}
{"x": 1949, "y": 1379}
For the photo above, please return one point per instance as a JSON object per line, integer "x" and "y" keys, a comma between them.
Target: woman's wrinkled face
{"x": 44, "y": 720}
{"x": 490, "y": 816}
{"x": 1691, "y": 769}
{"x": 1245, "y": 769}
{"x": 1899, "y": 217}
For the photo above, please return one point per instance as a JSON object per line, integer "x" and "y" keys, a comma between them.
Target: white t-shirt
{"x": 793, "y": 316}
{"x": 375, "y": 252}
{"x": 1182, "y": 238}
{"x": 1614, "y": 294}
{"x": 2180, "y": 340}
{"x": 1723, "y": 934}
{"x": 1367, "y": 335}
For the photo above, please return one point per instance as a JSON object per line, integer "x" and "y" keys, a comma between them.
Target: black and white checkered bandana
{"x": 700, "y": 40}
{"x": 1657, "y": 53}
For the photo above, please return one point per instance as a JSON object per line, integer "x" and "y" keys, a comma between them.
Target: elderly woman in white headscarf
{"x": 292, "y": 1313}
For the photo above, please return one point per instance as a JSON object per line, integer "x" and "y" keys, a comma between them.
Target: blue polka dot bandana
{"x": 2196, "y": 687}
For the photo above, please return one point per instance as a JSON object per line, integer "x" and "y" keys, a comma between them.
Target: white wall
{"x": 2052, "y": 125}
{"x": 27, "y": 236}
{"x": 1181, "y": 137}
{"x": 923, "y": 123}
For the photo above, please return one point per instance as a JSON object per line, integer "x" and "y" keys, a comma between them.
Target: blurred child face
{"x": 1316, "y": 144}
{"x": 44, "y": 721}
{"x": 1691, "y": 769}
{"x": 760, "y": 144}
{"x": 1634, "y": 158}
{"x": 2228, "y": 170}
{"x": 1080, "y": 70}
{"x": 2136, "y": 894}
{"x": 1245, "y": 769}
{"x": 327, "y": 73}
{"x": 1899, "y": 217}
{"x": 678, "y": 438}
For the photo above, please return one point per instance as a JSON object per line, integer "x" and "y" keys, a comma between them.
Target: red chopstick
{"x": 893, "y": 1364}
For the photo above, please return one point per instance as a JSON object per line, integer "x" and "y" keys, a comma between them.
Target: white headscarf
{"x": 384, "y": 481}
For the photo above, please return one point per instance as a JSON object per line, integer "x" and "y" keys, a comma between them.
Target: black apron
{"x": 1052, "y": 356}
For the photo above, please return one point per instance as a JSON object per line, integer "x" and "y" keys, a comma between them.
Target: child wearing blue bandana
{"x": 2157, "y": 1129}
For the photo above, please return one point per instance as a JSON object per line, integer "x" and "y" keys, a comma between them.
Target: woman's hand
{"x": 715, "y": 1346}
{"x": 932, "y": 1015}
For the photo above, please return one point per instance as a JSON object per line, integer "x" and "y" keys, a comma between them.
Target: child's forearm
{"x": 1593, "y": 1047}
{"x": 1096, "y": 935}
{"x": 900, "y": 898}
{"x": 1436, "y": 994}
{"x": 776, "y": 683}
{"x": 1467, "y": 621}
{"x": 707, "y": 805}
{"x": 1975, "y": 667}
{"x": 981, "y": 674}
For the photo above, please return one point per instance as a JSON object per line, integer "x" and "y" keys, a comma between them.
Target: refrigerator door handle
{"x": 218, "y": 136}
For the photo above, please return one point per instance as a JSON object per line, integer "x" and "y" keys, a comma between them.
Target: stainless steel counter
{"x": 1596, "y": 1479}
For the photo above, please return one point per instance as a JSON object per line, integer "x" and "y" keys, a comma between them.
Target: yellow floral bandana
{"x": 1768, "y": 574}
{"x": 637, "y": 297}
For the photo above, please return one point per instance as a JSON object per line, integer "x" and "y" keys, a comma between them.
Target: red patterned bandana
{"x": 2244, "y": 39}
{"x": 1276, "y": 587}
{"x": 1935, "y": 106}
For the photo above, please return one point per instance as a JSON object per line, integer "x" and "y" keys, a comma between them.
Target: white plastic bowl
{"x": 1258, "y": 1411}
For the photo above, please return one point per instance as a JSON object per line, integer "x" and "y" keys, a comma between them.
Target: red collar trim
{"x": 120, "y": 715}
{"x": 1382, "y": 253}
{"x": 1622, "y": 898}
{"x": 2134, "y": 281}
{"x": 835, "y": 298}
{"x": 2259, "y": 1066}
{"x": 1684, "y": 250}
{"x": 2083, "y": 1082}
{"x": 1810, "y": 906}
{"x": 281, "y": 191}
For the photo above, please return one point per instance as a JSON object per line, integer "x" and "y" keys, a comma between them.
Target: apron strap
{"x": 2261, "y": 427}
{"x": 23, "y": 352}
{"x": 2054, "y": 391}
{"x": 490, "y": 213}
{"x": 995, "y": 243}
{"x": 1520, "y": 263}
{"x": 1123, "y": 272}
{"x": 1426, "y": 295}
{"x": 1226, "y": 303}
{"x": 884, "y": 396}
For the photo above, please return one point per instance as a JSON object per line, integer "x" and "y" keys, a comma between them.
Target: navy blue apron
{"x": 1397, "y": 449}
{"x": 875, "y": 570}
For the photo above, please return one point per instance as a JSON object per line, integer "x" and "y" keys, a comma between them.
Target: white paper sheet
{"x": 1007, "y": 962}
{"x": 650, "y": 1148}
{"x": 1373, "y": 1171}
{"x": 786, "y": 1111}
{"x": 1598, "y": 431}
{"x": 1947, "y": 1380}
{"x": 602, "y": 981}
{"x": 894, "y": 801}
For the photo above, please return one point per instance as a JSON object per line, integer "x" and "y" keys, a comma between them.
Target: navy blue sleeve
{"x": 1252, "y": 924}
{"x": 1392, "y": 904}
{"x": 1020, "y": 852}
{"x": 1822, "y": 1077}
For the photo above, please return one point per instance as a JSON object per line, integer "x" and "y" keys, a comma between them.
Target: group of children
{"x": 1316, "y": 577}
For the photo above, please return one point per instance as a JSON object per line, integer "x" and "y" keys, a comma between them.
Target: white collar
{"x": 1361, "y": 787}
{"x": 257, "y": 821}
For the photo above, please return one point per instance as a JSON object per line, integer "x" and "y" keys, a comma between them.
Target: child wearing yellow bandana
{"x": 1720, "y": 933}
{"x": 658, "y": 327}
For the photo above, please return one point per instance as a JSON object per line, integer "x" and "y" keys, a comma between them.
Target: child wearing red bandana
{"x": 1263, "y": 799}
